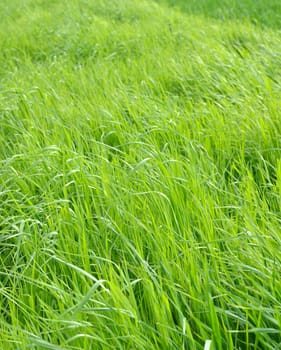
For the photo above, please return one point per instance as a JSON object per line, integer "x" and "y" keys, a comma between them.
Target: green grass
{"x": 140, "y": 176}
{"x": 259, "y": 12}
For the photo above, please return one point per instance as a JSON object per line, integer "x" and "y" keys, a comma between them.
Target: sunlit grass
{"x": 140, "y": 178}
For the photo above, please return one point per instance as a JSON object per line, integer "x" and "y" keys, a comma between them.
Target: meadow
{"x": 140, "y": 174}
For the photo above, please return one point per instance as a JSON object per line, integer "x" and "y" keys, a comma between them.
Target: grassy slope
{"x": 263, "y": 13}
{"x": 140, "y": 178}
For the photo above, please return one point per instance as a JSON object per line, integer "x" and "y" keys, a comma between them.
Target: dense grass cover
{"x": 140, "y": 177}
{"x": 265, "y": 13}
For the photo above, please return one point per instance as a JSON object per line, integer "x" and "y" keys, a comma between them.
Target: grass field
{"x": 140, "y": 174}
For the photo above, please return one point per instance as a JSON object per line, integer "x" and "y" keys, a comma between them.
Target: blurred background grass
{"x": 260, "y": 12}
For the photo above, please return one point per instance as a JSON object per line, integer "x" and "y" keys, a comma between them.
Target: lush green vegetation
{"x": 258, "y": 12}
{"x": 140, "y": 175}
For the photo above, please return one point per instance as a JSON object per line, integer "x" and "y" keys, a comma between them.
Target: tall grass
{"x": 258, "y": 12}
{"x": 140, "y": 178}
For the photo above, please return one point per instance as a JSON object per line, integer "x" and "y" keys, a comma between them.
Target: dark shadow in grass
{"x": 260, "y": 12}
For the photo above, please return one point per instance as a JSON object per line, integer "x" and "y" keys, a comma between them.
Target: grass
{"x": 257, "y": 12}
{"x": 140, "y": 176}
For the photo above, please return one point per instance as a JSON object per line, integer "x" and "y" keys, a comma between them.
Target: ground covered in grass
{"x": 140, "y": 176}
